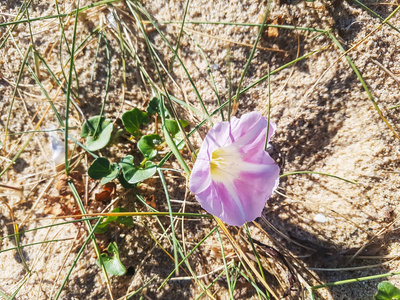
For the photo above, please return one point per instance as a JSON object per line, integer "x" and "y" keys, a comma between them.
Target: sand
{"x": 325, "y": 120}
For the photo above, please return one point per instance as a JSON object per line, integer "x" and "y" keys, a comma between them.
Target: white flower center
{"x": 226, "y": 164}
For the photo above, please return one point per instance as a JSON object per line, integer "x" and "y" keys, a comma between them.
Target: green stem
{"x": 318, "y": 173}
{"x": 79, "y": 10}
{"x": 336, "y": 283}
{"x": 253, "y": 51}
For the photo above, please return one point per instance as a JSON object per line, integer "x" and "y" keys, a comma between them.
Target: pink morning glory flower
{"x": 233, "y": 176}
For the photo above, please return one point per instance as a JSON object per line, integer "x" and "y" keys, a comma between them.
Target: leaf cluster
{"x": 98, "y": 132}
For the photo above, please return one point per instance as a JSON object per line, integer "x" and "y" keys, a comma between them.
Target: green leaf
{"x": 127, "y": 167}
{"x": 89, "y": 126}
{"x": 133, "y": 174}
{"x": 99, "y": 168}
{"x": 126, "y": 220}
{"x": 387, "y": 291}
{"x": 103, "y": 226}
{"x": 154, "y": 106}
{"x": 173, "y": 129}
{"x": 147, "y": 145}
{"x": 96, "y": 143}
{"x": 172, "y": 126}
{"x": 112, "y": 263}
{"x": 102, "y": 169}
{"x": 1, "y": 145}
{"x": 125, "y": 183}
{"x": 114, "y": 172}
{"x": 133, "y": 119}
{"x": 103, "y": 135}
{"x": 179, "y": 138}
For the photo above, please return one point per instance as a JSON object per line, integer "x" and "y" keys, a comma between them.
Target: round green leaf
{"x": 147, "y": 145}
{"x": 135, "y": 175}
{"x": 173, "y": 127}
{"x": 99, "y": 168}
{"x": 125, "y": 183}
{"x": 112, "y": 263}
{"x": 387, "y": 291}
{"x": 127, "y": 167}
{"x": 133, "y": 119}
{"x": 113, "y": 173}
{"x": 94, "y": 143}
{"x": 90, "y": 125}
{"x": 154, "y": 106}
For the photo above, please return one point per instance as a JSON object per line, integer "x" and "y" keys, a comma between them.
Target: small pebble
{"x": 320, "y": 218}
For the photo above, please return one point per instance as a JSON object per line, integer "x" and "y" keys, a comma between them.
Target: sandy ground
{"x": 325, "y": 123}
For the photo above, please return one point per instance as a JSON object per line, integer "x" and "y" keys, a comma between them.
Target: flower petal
{"x": 219, "y": 135}
{"x": 244, "y": 199}
{"x": 222, "y": 201}
{"x": 255, "y": 188}
{"x": 200, "y": 178}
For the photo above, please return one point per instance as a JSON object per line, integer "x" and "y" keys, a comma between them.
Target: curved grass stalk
{"x": 375, "y": 14}
{"x": 34, "y": 244}
{"x": 253, "y": 51}
{"x": 247, "y": 24}
{"x": 319, "y": 173}
{"x": 90, "y": 236}
{"x": 243, "y": 256}
{"x": 16, "y": 237}
{"x": 174, "y": 239}
{"x": 15, "y": 92}
{"x": 360, "y": 78}
{"x": 347, "y": 281}
{"x": 73, "y": 12}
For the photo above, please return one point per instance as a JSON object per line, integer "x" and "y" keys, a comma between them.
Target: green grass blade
{"x": 247, "y": 25}
{"x": 174, "y": 239}
{"x": 319, "y": 173}
{"x": 253, "y": 51}
{"x": 375, "y": 14}
{"x": 64, "y": 15}
{"x": 69, "y": 87}
{"x": 360, "y": 78}
{"x": 187, "y": 256}
{"x": 15, "y": 93}
{"x": 228, "y": 280}
{"x": 180, "y": 32}
{"x": 34, "y": 244}
{"x": 90, "y": 237}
